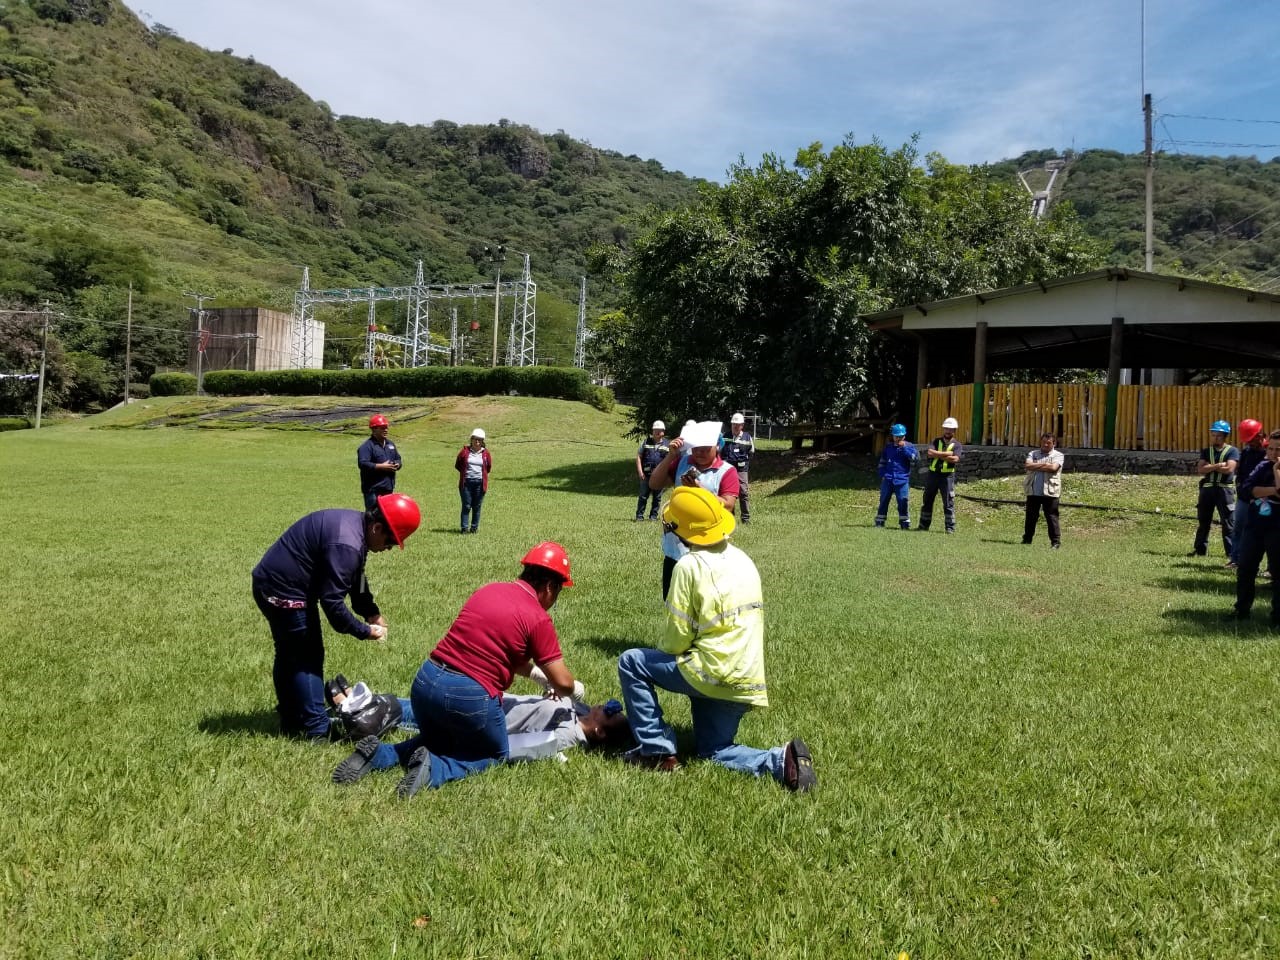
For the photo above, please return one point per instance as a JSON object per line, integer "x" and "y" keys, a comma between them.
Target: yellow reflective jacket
{"x": 715, "y": 624}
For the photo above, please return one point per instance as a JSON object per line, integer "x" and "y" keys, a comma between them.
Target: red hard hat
{"x": 550, "y": 556}
{"x": 1249, "y": 429}
{"x": 402, "y": 515}
{"x": 377, "y": 420}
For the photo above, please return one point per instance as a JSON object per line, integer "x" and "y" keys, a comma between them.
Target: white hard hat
{"x": 950, "y": 424}
{"x": 658, "y": 425}
{"x": 737, "y": 418}
{"x": 478, "y": 433}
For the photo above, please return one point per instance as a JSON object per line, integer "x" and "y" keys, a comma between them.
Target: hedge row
{"x": 14, "y": 423}
{"x": 559, "y": 382}
{"x": 172, "y": 384}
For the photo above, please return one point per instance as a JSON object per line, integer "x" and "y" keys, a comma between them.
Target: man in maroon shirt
{"x": 503, "y": 629}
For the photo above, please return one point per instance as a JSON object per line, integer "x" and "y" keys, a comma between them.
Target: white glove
{"x": 538, "y": 677}
{"x": 579, "y": 691}
{"x": 377, "y": 632}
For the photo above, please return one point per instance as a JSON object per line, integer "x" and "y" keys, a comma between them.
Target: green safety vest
{"x": 937, "y": 464}
{"x": 1216, "y": 457}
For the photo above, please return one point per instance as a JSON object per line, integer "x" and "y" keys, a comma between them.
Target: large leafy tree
{"x": 751, "y": 296}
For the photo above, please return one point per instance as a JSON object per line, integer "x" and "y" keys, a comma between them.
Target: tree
{"x": 752, "y": 295}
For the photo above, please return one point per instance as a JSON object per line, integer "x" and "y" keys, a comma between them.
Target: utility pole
{"x": 1151, "y": 166}
{"x": 199, "y": 298}
{"x": 128, "y": 344}
{"x": 44, "y": 350}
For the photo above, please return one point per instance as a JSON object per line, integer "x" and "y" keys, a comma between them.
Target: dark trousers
{"x": 298, "y": 670}
{"x": 462, "y": 727}
{"x": 1263, "y": 537}
{"x": 936, "y": 482}
{"x": 644, "y": 496}
{"x": 668, "y": 567}
{"x": 1034, "y": 506}
{"x": 472, "y": 493}
{"x": 1219, "y": 498}
{"x": 744, "y": 495}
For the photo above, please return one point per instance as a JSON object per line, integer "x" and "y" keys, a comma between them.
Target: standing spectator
{"x": 650, "y": 454}
{"x": 896, "y": 461}
{"x": 1043, "y": 487}
{"x": 1262, "y": 487}
{"x": 502, "y": 630}
{"x": 314, "y": 565}
{"x": 943, "y": 455}
{"x": 737, "y": 450}
{"x": 1253, "y": 451}
{"x": 473, "y": 464}
{"x": 712, "y": 651}
{"x": 1217, "y": 468}
{"x": 379, "y": 462}
{"x": 693, "y": 460}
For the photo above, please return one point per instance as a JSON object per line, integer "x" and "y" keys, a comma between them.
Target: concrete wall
{"x": 252, "y": 338}
{"x": 984, "y": 462}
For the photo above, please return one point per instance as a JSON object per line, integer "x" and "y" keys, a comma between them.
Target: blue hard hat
{"x": 1219, "y": 426}
{"x": 897, "y": 430}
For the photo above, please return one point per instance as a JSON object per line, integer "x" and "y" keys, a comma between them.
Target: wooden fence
{"x": 1147, "y": 418}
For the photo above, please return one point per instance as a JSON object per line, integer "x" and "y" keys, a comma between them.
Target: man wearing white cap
{"x": 737, "y": 450}
{"x": 943, "y": 455}
{"x": 651, "y": 453}
{"x": 693, "y": 460}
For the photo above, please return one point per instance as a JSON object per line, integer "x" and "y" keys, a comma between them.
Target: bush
{"x": 14, "y": 423}
{"x": 565, "y": 383}
{"x": 173, "y": 384}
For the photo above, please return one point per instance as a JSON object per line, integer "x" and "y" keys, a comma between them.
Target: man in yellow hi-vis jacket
{"x": 712, "y": 651}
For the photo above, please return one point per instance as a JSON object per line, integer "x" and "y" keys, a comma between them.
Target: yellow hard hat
{"x": 698, "y": 516}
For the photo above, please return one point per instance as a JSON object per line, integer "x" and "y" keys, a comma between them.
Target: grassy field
{"x": 1022, "y": 753}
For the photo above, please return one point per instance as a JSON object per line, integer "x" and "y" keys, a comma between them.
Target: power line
{"x": 1193, "y": 116}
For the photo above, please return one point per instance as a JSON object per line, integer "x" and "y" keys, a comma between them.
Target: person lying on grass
{"x": 538, "y": 725}
{"x": 712, "y": 651}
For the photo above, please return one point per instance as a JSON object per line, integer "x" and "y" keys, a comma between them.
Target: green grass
{"x": 1022, "y": 753}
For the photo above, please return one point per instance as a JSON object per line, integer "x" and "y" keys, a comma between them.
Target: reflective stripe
{"x": 708, "y": 624}
{"x": 715, "y": 682}
{"x": 1215, "y": 458}
{"x": 937, "y": 464}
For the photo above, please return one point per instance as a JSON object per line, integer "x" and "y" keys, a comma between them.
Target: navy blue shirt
{"x": 320, "y": 559}
{"x": 1249, "y": 459}
{"x": 1263, "y": 475}
{"x": 652, "y": 452}
{"x": 370, "y": 454}
{"x": 737, "y": 450}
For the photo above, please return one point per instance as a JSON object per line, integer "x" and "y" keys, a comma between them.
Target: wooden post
{"x": 979, "y": 407}
{"x": 922, "y": 383}
{"x": 1113, "y": 382}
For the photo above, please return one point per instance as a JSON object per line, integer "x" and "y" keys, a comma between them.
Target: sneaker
{"x": 639, "y": 519}
{"x": 359, "y": 763}
{"x": 879, "y": 525}
{"x": 417, "y": 774}
{"x": 661, "y": 762}
{"x": 1026, "y": 542}
{"x": 1230, "y": 565}
{"x": 1195, "y": 553}
{"x": 1055, "y": 546}
{"x": 797, "y": 767}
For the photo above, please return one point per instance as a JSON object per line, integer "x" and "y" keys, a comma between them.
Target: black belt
{"x": 445, "y": 666}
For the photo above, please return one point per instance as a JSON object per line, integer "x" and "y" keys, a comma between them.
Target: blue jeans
{"x": 472, "y": 493}
{"x": 1241, "y": 519}
{"x": 459, "y": 723}
{"x": 894, "y": 488}
{"x": 644, "y": 494}
{"x": 715, "y": 722}
{"x": 298, "y": 670}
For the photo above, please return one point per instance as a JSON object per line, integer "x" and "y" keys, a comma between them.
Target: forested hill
{"x": 128, "y": 153}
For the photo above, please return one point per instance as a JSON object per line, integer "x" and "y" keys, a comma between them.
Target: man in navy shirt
{"x": 314, "y": 566}
{"x": 379, "y": 462}
{"x": 737, "y": 449}
{"x": 1253, "y": 450}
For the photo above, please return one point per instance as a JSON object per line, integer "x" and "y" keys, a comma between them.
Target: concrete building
{"x": 251, "y": 338}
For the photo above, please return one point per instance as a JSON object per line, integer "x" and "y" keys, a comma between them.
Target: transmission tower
{"x": 580, "y": 342}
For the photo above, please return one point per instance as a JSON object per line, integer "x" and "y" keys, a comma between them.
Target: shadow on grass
{"x": 1219, "y": 621}
{"x": 252, "y": 723}
{"x": 815, "y": 471}
{"x": 1009, "y": 540}
{"x": 597, "y": 478}
{"x": 1223, "y": 585}
{"x": 610, "y": 646}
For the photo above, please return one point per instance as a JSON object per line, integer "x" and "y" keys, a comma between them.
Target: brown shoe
{"x": 797, "y": 767}
{"x": 661, "y": 762}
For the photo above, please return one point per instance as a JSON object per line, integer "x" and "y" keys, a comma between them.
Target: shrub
{"x": 14, "y": 423}
{"x": 173, "y": 384}
{"x": 565, "y": 383}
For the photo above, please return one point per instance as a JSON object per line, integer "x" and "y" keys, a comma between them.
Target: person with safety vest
{"x": 1217, "y": 469}
{"x": 737, "y": 450}
{"x": 473, "y": 464}
{"x": 313, "y": 567}
{"x": 651, "y": 453}
{"x": 943, "y": 455}
{"x": 1262, "y": 488}
{"x": 896, "y": 460}
{"x": 1253, "y": 450}
{"x": 693, "y": 460}
{"x": 711, "y": 651}
{"x": 379, "y": 462}
{"x": 502, "y": 630}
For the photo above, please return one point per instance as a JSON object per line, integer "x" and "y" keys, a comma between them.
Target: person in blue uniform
{"x": 896, "y": 462}
{"x": 1217, "y": 469}
{"x": 736, "y": 449}
{"x": 943, "y": 455}
{"x": 1253, "y": 450}
{"x": 379, "y": 462}
{"x": 1262, "y": 488}
{"x": 651, "y": 453}
{"x": 315, "y": 565}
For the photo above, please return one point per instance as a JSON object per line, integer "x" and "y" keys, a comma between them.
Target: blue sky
{"x": 696, "y": 83}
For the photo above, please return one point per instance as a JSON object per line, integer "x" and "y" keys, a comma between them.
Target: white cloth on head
{"x": 704, "y": 434}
